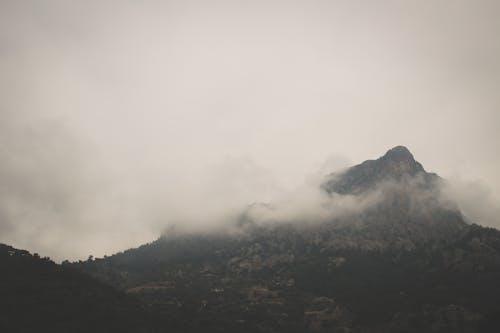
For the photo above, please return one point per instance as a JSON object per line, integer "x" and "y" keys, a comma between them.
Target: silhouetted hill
{"x": 37, "y": 295}
{"x": 407, "y": 262}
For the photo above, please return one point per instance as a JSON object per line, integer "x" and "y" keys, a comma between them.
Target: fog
{"x": 121, "y": 118}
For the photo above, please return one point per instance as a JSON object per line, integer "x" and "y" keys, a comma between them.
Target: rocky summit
{"x": 396, "y": 165}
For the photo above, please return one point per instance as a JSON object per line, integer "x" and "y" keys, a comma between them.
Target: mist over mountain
{"x": 378, "y": 247}
{"x": 399, "y": 258}
{"x": 408, "y": 194}
{"x": 393, "y": 191}
{"x": 117, "y": 119}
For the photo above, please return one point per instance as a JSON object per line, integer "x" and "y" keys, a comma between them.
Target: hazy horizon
{"x": 120, "y": 118}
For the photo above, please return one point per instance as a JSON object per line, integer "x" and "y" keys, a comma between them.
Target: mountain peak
{"x": 397, "y": 163}
{"x": 399, "y": 153}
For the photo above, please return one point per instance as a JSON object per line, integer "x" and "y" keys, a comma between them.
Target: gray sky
{"x": 120, "y": 117}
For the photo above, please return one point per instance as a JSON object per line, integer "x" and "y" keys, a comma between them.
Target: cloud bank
{"x": 118, "y": 118}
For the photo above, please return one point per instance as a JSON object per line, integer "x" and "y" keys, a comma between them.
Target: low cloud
{"x": 310, "y": 204}
{"x": 60, "y": 199}
{"x": 476, "y": 201}
{"x": 118, "y": 121}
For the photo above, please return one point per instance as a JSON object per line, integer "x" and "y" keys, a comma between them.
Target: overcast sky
{"x": 120, "y": 117}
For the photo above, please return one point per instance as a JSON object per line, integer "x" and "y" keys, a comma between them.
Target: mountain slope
{"x": 407, "y": 262}
{"x": 38, "y": 295}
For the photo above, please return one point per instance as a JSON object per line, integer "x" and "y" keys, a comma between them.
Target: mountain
{"x": 401, "y": 259}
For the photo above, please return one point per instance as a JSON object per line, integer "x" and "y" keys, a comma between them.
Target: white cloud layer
{"x": 118, "y": 117}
